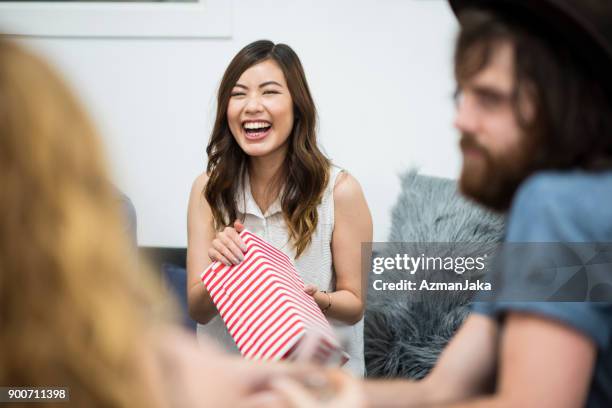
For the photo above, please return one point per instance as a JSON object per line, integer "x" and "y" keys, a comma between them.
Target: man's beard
{"x": 496, "y": 181}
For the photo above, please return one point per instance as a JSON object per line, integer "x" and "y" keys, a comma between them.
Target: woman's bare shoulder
{"x": 347, "y": 189}
{"x": 200, "y": 182}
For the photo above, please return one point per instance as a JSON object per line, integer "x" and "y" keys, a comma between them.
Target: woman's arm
{"x": 352, "y": 226}
{"x": 179, "y": 372}
{"x": 200, "y": 234}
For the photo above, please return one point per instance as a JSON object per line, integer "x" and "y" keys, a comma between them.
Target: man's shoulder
{"x": 566, "y": 206}
{"x": 567, "y": 185}
{"x": 567, "y": 191}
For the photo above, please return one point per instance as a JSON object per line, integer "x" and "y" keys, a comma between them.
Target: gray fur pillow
{"x": 405, "y": 332}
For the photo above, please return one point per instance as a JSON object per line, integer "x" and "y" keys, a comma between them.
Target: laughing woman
{"x": 265, "y": 172}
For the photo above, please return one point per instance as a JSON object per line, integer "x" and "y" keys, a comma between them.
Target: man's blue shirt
{"x": 566, "y": 207}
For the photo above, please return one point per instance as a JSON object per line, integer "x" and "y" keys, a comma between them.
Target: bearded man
{"x": 534, "y": 109}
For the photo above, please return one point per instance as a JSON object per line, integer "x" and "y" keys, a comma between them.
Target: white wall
{"x": 380, "y": 72}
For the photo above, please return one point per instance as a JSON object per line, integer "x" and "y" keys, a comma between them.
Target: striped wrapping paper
{"x": 265, "y": 309}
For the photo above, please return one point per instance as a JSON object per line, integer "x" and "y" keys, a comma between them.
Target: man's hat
{"x": 583, "y": 25}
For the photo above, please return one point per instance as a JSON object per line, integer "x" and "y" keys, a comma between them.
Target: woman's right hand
{"x": 337, "y": 390}
{"x": 227, "y": 247}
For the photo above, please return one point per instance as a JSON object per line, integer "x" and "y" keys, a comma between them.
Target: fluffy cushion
{"x": 406, "y": 331}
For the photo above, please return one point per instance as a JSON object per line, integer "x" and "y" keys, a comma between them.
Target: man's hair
{"x": 572, "y": 127}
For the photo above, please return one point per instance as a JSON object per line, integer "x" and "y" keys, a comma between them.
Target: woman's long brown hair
{"x": 73, "y": 298}
{"x": 305, "y": 171}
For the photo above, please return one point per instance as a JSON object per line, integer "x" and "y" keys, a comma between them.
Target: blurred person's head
{"x": 265, "y": 112}
{"x": 73, "y": 303}
{"x": 526, "y": 101}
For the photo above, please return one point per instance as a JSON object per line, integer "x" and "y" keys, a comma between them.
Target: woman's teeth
{"x": 256, "y": 127}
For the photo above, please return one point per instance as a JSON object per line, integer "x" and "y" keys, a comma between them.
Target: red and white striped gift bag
{"x": 265, "y": 309}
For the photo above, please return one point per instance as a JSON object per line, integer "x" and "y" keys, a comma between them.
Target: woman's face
{"x": 260, "y": 110}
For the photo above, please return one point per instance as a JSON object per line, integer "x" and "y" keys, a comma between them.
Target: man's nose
{"x": 466, "y": 117}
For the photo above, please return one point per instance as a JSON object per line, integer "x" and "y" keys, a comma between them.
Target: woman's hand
{"x": 227, "y": 247}
{"x": 338, "y": 390}
{"x": 323, "y": 299}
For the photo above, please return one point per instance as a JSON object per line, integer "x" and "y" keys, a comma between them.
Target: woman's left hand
{"x": 342, "y": 390}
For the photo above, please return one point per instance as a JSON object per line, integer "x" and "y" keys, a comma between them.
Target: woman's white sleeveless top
{"x": 314, "y": 265}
